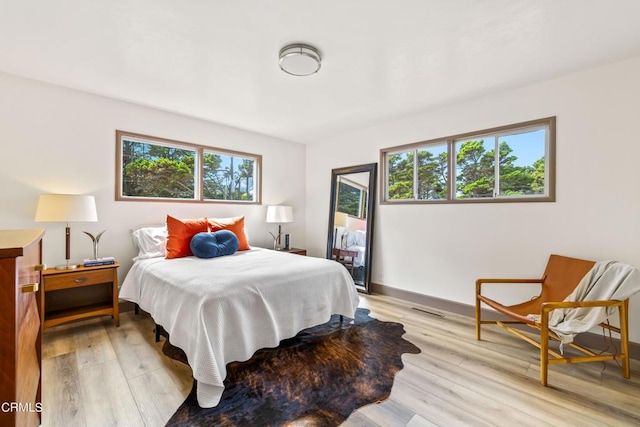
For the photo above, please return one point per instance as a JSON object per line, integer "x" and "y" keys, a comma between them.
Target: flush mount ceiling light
{"x": 300, "y": 60}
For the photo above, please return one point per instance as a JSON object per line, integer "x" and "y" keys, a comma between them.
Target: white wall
{"x": 439, "y": 250}
{"x": 57, "y": 140}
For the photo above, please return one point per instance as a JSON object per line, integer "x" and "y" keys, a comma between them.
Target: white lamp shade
{"x": 340, "y": 219}
{"x": 66, "y": 208}
{"x": 279, "y": 214}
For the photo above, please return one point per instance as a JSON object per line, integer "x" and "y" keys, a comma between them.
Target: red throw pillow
{"x": 179, "y": 234}
{"x": 235, "y": 225}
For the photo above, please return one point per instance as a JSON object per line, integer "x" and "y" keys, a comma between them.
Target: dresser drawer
{"x": 79, "y": 279}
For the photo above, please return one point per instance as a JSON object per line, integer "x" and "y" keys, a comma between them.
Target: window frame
{"x": 362, "y": 202}
{"x": 549, "y": 123}
{"x": 199, "y": 150}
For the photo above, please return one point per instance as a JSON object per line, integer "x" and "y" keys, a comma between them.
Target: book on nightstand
{"x": 99, "y": 261}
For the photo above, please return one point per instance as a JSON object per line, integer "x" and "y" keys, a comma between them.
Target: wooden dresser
{"x": 20, "y": 335}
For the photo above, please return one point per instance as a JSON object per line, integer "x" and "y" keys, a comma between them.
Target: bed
{"x": 224, "y": 309}
{"x": 356, "y": 240}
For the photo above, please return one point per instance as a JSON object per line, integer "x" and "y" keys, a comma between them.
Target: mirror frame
{"x": 372, "y": 168}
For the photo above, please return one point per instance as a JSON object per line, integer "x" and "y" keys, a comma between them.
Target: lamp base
{"x": 66, "y": 266}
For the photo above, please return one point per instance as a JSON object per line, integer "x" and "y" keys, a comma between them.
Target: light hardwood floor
{"x": 97, "y": 375}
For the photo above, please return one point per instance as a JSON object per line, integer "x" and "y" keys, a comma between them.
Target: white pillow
{"x": 150, "y": 241}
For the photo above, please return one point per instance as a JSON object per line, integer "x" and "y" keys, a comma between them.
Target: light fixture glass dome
{"x": 300, "y": 60}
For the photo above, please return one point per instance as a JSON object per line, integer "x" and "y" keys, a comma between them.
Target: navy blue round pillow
{"x": 211, "y": 245}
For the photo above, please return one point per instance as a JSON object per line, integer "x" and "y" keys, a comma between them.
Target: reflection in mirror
{"x": 350, "y": 235}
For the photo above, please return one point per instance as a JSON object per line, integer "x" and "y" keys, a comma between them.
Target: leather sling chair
{"x": 560, "y": 278}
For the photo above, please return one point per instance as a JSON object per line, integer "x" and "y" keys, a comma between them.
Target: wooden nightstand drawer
{"x": 79, "y": 279}
{"x": 68, "y": 295}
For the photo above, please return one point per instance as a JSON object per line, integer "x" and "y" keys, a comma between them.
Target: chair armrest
{"x": 539, "y": 280}
{"x": 479, "y": 282}
{"x": 547, "y": 307}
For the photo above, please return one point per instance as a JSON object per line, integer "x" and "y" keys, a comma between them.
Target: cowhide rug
{"x": 316, "y": 378}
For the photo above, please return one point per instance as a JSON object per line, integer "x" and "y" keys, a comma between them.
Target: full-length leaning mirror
{"x": 350, "y": 236}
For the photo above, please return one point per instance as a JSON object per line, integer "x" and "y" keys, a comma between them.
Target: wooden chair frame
{"x": 545, "y": 334}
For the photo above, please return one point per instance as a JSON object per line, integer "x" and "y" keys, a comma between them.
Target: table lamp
{"x": 339, "y": 220}
{"x": 280, "y": 215}
{"x": 66, "y": 208}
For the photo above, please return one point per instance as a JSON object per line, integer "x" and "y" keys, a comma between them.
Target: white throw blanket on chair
{"x": 607, "y": 280}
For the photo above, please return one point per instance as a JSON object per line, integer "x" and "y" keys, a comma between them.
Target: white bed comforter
{"x": 224, "y": 309}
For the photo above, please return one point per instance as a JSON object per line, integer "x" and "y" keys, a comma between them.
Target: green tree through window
{"x": 510, "y": 162}
{"x": 227, "y": 177}
{"x": 171, "y": 170}
{"x": 157, "y": 171}
{"x": 432, "y": 173}
{"x": 476, "y": 172}
{"x": 400, "y": 168}
{"x": 352, "y": 200}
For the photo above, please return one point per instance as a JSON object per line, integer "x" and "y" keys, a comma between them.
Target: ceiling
{"x": 218, "y": 60}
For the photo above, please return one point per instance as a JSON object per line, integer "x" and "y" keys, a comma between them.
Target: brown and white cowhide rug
{"x": 317, "y": 378}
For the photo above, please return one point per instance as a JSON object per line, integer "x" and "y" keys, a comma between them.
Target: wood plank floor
{"x": 97, "y": 375}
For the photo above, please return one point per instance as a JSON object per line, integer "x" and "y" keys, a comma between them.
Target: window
{"x": 514, "y": 163}
{"x": 157, "y": 169}
{"x": 352, "y": 198}
{"x": 228, "y": 177}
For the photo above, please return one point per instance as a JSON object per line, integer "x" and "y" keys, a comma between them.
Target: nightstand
{"x": 296, "y": 251}
{"x": 345, "y": 257}
{"x": 83, "y": 292}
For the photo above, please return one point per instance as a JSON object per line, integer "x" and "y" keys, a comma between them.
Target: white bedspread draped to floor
{"x": 223, "y": 309}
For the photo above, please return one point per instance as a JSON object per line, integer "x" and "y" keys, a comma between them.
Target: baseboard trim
{"x": 587, "y": 339}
